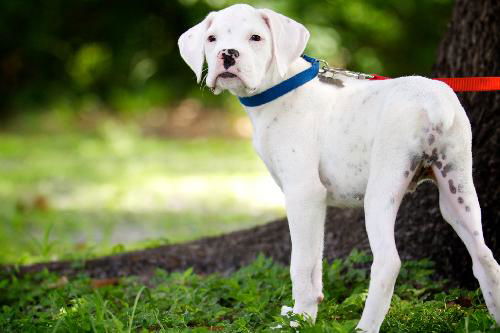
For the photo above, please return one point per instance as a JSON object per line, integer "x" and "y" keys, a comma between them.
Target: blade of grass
{"x": 56, "y": 327}
{"x": 133, "y": 309}
{"x": 92, "y": 323}
{"x": 116, "y": 321}
{"x": 158, "y": 321}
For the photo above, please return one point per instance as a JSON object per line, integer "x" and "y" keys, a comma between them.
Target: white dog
{"x": 352, "y": 143}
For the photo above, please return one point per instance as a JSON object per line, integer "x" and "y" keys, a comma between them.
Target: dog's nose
{"x": 233, "y": 52}
{"x": 228, "y": 56}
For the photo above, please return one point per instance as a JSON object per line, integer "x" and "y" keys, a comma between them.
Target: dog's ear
{"x": 289, "y": 38}
{"x": 192, "y": 45}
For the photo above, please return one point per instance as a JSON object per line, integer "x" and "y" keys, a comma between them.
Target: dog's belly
{"x": 345, "y": 180}
{"x": 347, "y": 140}
{"x": 351, "y": 195}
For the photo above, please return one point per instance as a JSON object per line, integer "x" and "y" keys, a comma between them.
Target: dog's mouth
{"x": 227, "y": 75}
{"x": 236, "y": 84}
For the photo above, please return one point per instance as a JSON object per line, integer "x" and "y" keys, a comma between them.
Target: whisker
{"x": 202, "y": 81}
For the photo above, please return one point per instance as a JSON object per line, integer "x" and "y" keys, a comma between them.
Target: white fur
{"x": 355, "y": 145}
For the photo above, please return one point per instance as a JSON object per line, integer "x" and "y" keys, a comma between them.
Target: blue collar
{"x": 284, "y": 87}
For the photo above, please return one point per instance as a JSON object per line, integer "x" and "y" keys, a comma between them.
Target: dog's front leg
{"x": 306, "y": 207}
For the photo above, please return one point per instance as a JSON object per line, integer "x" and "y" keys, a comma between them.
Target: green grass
{"x": 246, "y": 301}
{"x": 74, "y": 194}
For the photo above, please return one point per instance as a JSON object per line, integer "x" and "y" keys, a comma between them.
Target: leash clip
{"x": 328, "y": 71}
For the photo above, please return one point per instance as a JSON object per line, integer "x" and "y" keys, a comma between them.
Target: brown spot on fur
{"x": 431, "y": 139}
{"x": 460, "y": 200}
{"x": 407, "y": 173}
{"x": 439, "y": 164}
{"x": 453, "y": 189}
{"x": 439, "y": 129}
{"x": 467, "y": 208}
{"x": 447, "y": 168}
{"x": 430, "y": 159}
{"x": 434, "y": 156}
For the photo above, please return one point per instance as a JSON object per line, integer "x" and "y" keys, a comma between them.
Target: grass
{"x": 78, "y": 194}
{"x": 246, "y": 301}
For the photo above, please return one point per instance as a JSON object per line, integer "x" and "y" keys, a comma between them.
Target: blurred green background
{"x": 106, "y": 141}
{"x": 122, "y": 54}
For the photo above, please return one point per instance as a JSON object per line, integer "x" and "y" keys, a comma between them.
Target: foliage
{"x": 249, "y": 300}
{"x": 122, "y": 55}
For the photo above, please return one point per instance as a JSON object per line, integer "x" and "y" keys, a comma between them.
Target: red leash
{"x": 485, "y": 83}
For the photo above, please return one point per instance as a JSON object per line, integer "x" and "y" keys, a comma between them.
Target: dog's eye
{"x": 255, "y": 38}
{"x": 211, "y": 38}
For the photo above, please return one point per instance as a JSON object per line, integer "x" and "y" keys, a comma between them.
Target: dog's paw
{"x": 287, "y": 311}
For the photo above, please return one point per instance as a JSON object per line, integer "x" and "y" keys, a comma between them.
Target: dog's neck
{"x": 273, "y": 77}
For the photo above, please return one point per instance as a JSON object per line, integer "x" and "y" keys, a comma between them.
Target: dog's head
{"x": 243, "y": 47}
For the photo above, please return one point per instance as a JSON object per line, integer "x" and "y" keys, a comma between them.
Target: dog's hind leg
{"x": 460, "y": 208}
{"x": 387, "y": 184}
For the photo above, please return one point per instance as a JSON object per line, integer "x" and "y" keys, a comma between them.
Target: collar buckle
{"x": 328, "y": 71}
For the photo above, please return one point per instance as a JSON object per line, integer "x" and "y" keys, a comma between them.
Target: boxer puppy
{"x": 353, "y": 143}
